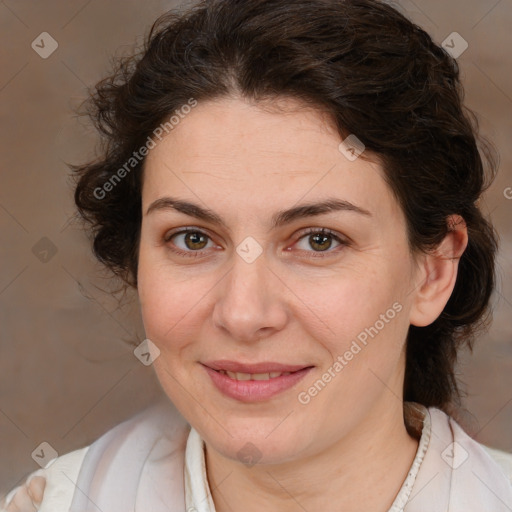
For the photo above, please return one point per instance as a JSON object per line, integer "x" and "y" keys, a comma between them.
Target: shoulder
{"x": 491, "y": 457}
{"x": 116, "y": 446}
{"x": 449, "y": 434}
{"x": 502, "y": 458}
{"x": 52, "y": 491}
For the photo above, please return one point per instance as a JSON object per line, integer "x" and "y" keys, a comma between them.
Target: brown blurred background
{"x": 67, "y": 373}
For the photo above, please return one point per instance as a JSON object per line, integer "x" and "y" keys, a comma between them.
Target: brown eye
{"x": 195, "y": 240}
{"x": 320, "y": 240}
{"x": 188, "y": 242}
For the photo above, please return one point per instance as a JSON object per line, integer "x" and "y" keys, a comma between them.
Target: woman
{"x": 292, "y": 189}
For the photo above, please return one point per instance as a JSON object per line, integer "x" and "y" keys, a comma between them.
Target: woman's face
{"x": 253, "y": 290}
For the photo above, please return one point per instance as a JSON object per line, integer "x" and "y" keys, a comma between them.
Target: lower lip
{"x": 255, "y": 390}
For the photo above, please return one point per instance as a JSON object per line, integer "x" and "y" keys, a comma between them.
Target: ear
{"x": 437, "y": 273}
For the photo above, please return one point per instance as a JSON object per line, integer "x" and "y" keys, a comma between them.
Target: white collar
{"x": 197, "y": 491}
{"x": 155, "y": 461}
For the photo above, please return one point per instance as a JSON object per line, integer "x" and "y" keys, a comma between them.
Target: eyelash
{"x": 304, "y": 234}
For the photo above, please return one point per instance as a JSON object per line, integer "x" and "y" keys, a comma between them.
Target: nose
{"x": 251, "y": 303}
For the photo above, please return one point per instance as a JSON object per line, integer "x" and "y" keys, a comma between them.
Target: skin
{"x": 28, "y": 497}
{"x": 294, "y": 304}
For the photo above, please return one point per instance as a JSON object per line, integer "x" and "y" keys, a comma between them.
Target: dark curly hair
{"x": 377, "y": 74}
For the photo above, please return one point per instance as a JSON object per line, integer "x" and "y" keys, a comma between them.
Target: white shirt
{"x": 157, "y": 444}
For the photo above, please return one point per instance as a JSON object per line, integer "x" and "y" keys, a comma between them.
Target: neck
{"x": 362, "y": 471}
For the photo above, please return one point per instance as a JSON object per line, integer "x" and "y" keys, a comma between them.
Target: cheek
{"x": 364, "y": 317}
{"x": 169, "y": 304}
{"x": 349, "y": 303}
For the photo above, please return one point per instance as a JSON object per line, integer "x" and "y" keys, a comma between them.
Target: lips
{"x": 253, "y": 368}
{"x": 254, "y": 382}
{"x": 253, "y": 376}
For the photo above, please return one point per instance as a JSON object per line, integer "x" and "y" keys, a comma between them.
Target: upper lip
{"x": 263, "y": 367}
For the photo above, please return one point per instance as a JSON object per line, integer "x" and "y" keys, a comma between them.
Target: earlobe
{"x": 437, "y": 274}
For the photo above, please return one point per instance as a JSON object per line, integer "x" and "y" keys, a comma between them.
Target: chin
{"x": 264, "y": 443}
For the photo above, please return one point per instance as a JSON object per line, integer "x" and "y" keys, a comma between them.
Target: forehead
{"x": 233, "y": 152}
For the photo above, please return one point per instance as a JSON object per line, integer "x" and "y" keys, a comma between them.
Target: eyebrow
{"x": 279, "y": 219}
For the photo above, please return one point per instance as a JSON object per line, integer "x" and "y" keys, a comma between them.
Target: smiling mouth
{"x": 253, "y": 371}
{"x": 253, "y": 376}
{"x": 254, "y": 382}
